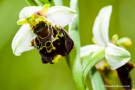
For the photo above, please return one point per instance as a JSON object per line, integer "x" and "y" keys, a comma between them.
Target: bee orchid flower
{"x": 42, "y": 28}
{"x": 115, "y": 55}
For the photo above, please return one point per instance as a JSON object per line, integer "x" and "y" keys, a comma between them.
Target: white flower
{"x": 60, "y": 15}
{"x": 115, "y": 56}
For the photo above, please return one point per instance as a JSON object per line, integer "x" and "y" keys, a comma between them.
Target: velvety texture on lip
{"x": 51, "y": 41}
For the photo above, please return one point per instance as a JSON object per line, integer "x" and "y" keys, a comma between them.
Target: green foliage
{"x": 38, "y": 2}
{"x": 96, "y": 80}
{"x": 31, "y": 2}
{"x": 74, "y": 56}
{"x": 90, "y": 61}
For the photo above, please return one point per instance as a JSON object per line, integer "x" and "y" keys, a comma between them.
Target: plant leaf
{"x": 39, "y": 2}
{"x": 74, "y": 56}
{"x": 31, "y": 2}
{"x": 90, "y": 60}
{"x": 96, "y": 80}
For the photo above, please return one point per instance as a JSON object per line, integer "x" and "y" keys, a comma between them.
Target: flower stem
{"x": 58, "y": 2}
{"x": 74, "y": 56}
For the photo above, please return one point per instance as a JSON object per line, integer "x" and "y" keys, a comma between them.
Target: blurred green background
{"x": 27, "y": 72}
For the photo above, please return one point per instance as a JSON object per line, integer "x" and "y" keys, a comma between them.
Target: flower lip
{"x": 41, "y": 29}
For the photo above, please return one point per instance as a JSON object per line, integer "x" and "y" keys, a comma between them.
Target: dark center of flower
{"x": 41, "y": 30}
{"x": 51, "y": 41}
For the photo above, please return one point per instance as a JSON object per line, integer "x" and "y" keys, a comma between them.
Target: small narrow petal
{"x": 21, "y": 22}
{"x": 60, "y": 15}
{"x": 114, "y": 39}
{"x": 44, "y": 10}
{"x": 28, "y": 11}
{"x": 116, "y": 56}
{"x": 86, "y": 50}
{"x": 22, "y": 39}
{"x": 101, "y": 25}
{"x": 125, "y": 41}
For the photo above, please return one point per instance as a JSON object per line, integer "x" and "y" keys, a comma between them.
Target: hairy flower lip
{"x": 60, "y": 15}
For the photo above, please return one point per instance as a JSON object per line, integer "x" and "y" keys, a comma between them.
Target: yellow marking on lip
{"x": 56, "y": 59}
{"x": 51, "y": 47}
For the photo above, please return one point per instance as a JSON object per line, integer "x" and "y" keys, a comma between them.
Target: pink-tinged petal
{"x": 28, "y": 11}
{"x": 22, "y": 39}
{"x": 60, "y": 15}
{"x": 101, "y": 26}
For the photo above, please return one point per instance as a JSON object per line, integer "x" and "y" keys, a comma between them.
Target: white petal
{"x": 116, "y": 56}
{"x": 22, "y": 39}
{"x": 101, "y": 25}
{"x": 60, "y": 15}
{"x": 85, "y": 50}
{"x": 28, "y": 11}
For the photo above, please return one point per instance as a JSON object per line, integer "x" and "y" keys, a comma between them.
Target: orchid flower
{"x": 42, "y": 28}
{"x": 115, "y": 55}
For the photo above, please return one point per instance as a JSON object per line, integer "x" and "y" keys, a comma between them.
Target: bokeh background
{"x": 27, "y": 72}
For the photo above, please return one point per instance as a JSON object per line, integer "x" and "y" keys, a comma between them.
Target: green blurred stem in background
{"x": 74, "y": 56}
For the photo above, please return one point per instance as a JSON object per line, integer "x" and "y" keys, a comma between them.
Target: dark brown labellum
{"x": 51, "y": 41}
{"x": 124, "y": 75}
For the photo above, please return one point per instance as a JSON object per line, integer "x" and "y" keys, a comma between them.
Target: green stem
{"x": 74, "y": 56}
{"x": 39, "y": 2}
{"x": 58, "y": 2}
{"x": 31, "y": 2}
